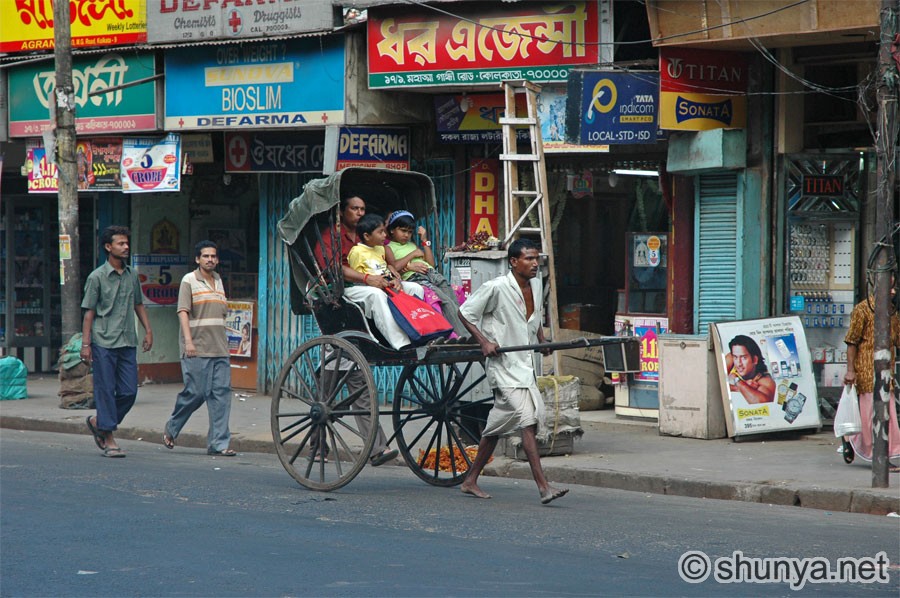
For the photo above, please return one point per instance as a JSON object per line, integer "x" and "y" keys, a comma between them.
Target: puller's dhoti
{"x": 514, "y": 409}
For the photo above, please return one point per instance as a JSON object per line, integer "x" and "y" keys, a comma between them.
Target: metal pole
{"x": 885, "y": 149}
{"x": 64, "y": 102}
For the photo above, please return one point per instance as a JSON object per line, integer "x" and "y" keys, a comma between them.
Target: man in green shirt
{"x": 109, "y": 338}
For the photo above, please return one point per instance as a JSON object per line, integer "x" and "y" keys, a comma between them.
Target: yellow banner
{"x": 27, "y": 25}
{"x": 701, "y": 112}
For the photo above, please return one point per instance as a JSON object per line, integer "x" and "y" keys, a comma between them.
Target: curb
{"x": 811, "y": 497}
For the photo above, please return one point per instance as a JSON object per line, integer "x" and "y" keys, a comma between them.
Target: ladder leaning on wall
{"x": 521, "y": 204}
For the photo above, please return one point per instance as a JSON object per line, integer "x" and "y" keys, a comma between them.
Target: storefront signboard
{"x": 151, "y": 164}
{"x": 274, "y": 151}
{"x": 160, "y": 276}
{"x": 766, "y": 375}
{"x": 197, "y": 20}
{"x": 484, "y": 181}
{"x": 129, "y": 109}
{"x": 702, "y": 89}
{"x": 619, "y": 108}
{"x": 371, "y": 147}
{"x": 480, "y": 45}
{"x": 27, "y": 25}
{"x": 239, "y": 328}
{"x": 273, "y": 84}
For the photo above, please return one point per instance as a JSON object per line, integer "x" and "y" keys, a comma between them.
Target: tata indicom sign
{"x": 273, "y": 84}
{"x": 482, "y": 44}
{"x": 701, "y": 90}
{"x": 619, "y": 108}
{"x": 123, "y": 109}
{"x": 27, "y": 25}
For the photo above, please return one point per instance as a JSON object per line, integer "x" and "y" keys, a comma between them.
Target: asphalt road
{"x": 181, "y": 523}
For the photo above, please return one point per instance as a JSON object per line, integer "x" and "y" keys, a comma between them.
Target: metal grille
{"x": 717, "y": 272}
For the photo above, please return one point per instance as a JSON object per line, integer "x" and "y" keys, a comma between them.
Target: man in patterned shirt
{"x": 205, "y": 363}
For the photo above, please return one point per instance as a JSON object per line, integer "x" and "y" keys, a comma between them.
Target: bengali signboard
{"x": 480, "y": 45}
{"x": 484, "y": 181}
{"x": 151, "y": 164}
{"x": 129, "y": 109}
{"x": 27, "y": 25}
{"x": 766, "y": 375}
{"x": 194, "y": 20}
{"x": 474, "y": 117}
{"x": 274, "y": 151}
{"x": 287, "y": 83}
{"x": 701, "y": 89}
{"x": 372, "y": 147}
{"x": 619, "y": 108}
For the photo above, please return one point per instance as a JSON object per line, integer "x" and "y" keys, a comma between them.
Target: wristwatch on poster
{"x": 426, "y": 243}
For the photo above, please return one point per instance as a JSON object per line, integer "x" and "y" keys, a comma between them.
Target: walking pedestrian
{"x": 109, "y": 339}
{"x": 507, "y": 311}
{"x": 205, "y": 360}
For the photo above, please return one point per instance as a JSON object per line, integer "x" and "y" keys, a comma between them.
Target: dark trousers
{"x": 115, "y": 384}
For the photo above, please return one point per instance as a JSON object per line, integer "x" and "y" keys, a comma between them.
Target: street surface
{"x": 181, "y": 523}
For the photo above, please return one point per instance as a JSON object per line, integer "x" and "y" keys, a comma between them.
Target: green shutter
{"x": 717, "y": 252}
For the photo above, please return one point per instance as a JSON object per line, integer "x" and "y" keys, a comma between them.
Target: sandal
{"x": 226, "y": 453}
{"x": 847, "y": 451}
{"x": 99, "y": 438}
{"x": 893, "y": 467}
{"x": 168, "y": 441}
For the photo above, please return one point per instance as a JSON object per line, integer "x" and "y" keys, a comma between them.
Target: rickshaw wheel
{"x": 314, "y": 405}
{"x": 432, "y": 422}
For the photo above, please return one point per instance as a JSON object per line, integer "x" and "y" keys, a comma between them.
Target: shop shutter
{"x": 717, "y": 253}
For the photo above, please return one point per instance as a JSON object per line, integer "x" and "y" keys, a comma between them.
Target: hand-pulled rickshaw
{"x": 438, "y": 405}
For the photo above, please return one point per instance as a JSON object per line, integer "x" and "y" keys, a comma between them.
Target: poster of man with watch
{"x": 765, "y": 371}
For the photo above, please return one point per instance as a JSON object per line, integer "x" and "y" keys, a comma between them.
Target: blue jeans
{"x": 115, "y": 384}
{"x": 206, "y": 379}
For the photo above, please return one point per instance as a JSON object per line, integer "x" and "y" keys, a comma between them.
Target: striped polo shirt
{"x": 206, "y": 307}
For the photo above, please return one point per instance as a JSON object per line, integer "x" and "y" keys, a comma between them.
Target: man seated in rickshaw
{"x": 365, "y": 290}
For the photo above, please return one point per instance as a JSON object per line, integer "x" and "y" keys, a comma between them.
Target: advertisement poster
{"x": 272, "y": 84}
{"x": 373, "y": 148}
{"x": 766, "y": 375}
{"x": 27, "y": 25}
{"x": 124, "y": 109}
{"x": 239, "y": 328}
{"x": 647, "y": 329}
{"x": 151, "y": 164}
{"x": 701, "y": 90}
{"x": 480, "y": 45}
{"x": 474, "y": 117}
{"x": 484, "y": 181}
{"x": 160, "y": 276}
{"x": 42, "y": 175}
{"x": 99, "y": 164}
{"x": 619, "y": 108}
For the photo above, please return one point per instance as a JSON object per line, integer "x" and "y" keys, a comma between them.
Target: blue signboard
{"x": 285, "y": 83}
{"x": 798, "y": 303}
{"x": 371, "y": 147}
{"x": 619, "y": 108}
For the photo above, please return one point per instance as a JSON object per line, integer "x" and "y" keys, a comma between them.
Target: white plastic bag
{"x": 847, "y": 421}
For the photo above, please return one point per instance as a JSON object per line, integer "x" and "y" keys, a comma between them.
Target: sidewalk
{"x": 613, "y": 453}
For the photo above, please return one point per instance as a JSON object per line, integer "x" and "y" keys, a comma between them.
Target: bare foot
{"x": 474, "y": 490}
{"x": 552, "y": 494}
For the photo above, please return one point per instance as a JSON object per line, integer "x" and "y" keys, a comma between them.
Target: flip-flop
{"x": 847, "y": 451}
{"x": 226, "y": 453}
{"x": 99, "y": 440}
{"x": 115, "y": 453}
{"x": 383, "y": 457}
{"x": 168, "y": 441}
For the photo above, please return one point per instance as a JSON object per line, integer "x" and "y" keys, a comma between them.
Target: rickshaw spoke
{"x": 450, "y": 449}
{"x": 460, "y": 445}
{"x": 295, "y": 432}
{"x": 349, "y": 399}
{"x": 301, "y": 446}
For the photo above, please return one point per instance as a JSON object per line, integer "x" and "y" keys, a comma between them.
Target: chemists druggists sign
{"x": 287, "y": 83}
{"x": 483, "y": 44}
{"x": 193, "y": 20}
{"x": 129, "y": 109}
{"x": 701, "y": 90}
{"x": 27, "y": 25}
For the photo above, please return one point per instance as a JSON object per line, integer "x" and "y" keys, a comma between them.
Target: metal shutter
{"x": 717, "y": 275}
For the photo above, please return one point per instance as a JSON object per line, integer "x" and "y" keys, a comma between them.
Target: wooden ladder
{"x": 536, "y": 200}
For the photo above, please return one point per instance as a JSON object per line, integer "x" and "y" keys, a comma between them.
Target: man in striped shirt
{"x": 205, "y": 363}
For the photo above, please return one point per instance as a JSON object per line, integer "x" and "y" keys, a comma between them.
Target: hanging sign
{"x": 617, "y": 108}
{"x": 766, "y": 375}
{"x": 151, "y": 164}
{"x": 27, "y": 25}
{"x": 125, "y": 109}
{"x": 484, "y": 181}
{"x": 702, "y": 89}
{"x": 274, "y": 151}
{"x": 480, "y": 45}
{"x": 272, "y": 84}
{"x": 373, "y": 148}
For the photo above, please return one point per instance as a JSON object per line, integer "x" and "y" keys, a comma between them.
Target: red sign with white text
{"x": 702, "y": 71}
{"x": 484, "y": 183}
